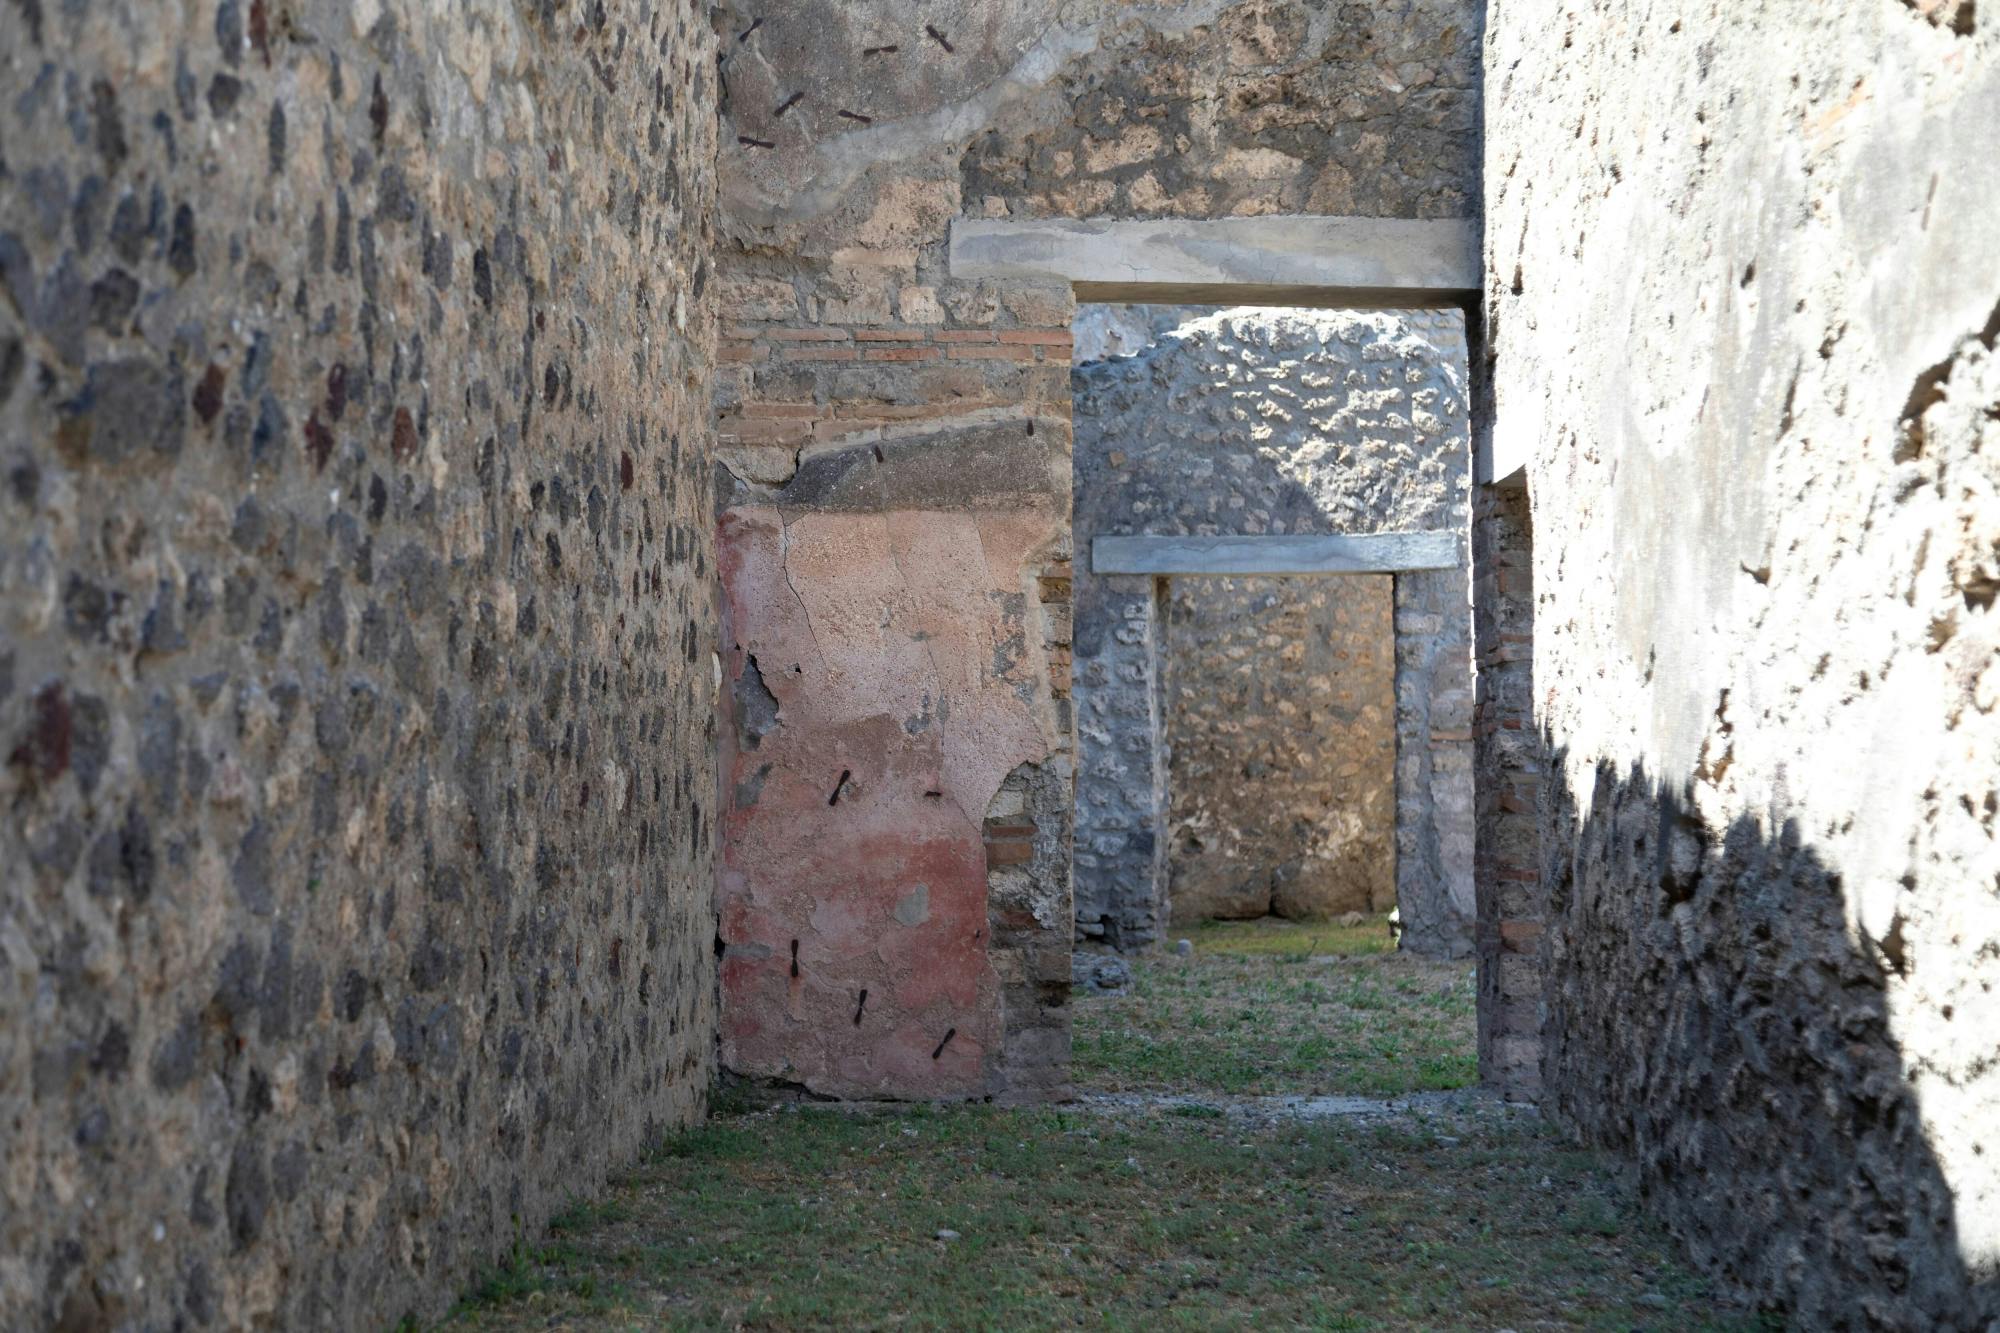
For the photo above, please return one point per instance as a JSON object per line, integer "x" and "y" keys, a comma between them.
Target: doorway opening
{"x": 1278, "y": 704}
{"x": 1272, "y": 701}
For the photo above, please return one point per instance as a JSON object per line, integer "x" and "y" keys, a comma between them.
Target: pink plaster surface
{"x": 897, "y": 649}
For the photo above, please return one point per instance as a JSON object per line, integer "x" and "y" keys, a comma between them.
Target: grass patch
{"x": 1272, "y": 935}
{"x": 1263, "y": 1008}
{"x": 1183, "y": 1216}
{"x": 809, "y": 1218}
{"x": 537, "y": 1274}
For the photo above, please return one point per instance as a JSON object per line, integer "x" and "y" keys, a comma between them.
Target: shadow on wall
{"x": 1710, "y": 1013}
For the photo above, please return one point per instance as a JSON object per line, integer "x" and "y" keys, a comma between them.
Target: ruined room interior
{"x": 711, "y": 665}
{"x": 1312, "y": 720}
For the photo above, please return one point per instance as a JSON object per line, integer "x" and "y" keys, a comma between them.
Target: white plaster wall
{"x": 1744, "y": 293}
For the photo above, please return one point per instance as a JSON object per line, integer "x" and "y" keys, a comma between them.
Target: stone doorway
{"x": 1280, "y": 742}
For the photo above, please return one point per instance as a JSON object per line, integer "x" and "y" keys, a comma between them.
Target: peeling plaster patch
{"x": 756, "y": 706}
{"x": 747, "y": 790}
{"x": 914, "y": 908}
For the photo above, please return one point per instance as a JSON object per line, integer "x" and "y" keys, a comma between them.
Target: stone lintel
{"x": 1264, "y": 556}
{"x": 1320, "y": 261}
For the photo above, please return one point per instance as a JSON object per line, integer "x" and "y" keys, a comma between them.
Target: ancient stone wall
{"x": 356, "y": 677}
{"x": 1268, "y": 422}
{"x": 1026, "y": 833}
{"x": 1434, "y": 800}
{"x": 1744, "y": 310}
{"x": 1218, "y": 109}
{"x": 1280, "y": 724}
{"x": 1509, "y": 765}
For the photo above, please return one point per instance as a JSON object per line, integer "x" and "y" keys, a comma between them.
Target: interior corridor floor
{"x": 1276, "y": 1131}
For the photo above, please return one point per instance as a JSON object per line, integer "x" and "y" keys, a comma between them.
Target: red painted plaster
{"x": 897, "y": 649}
